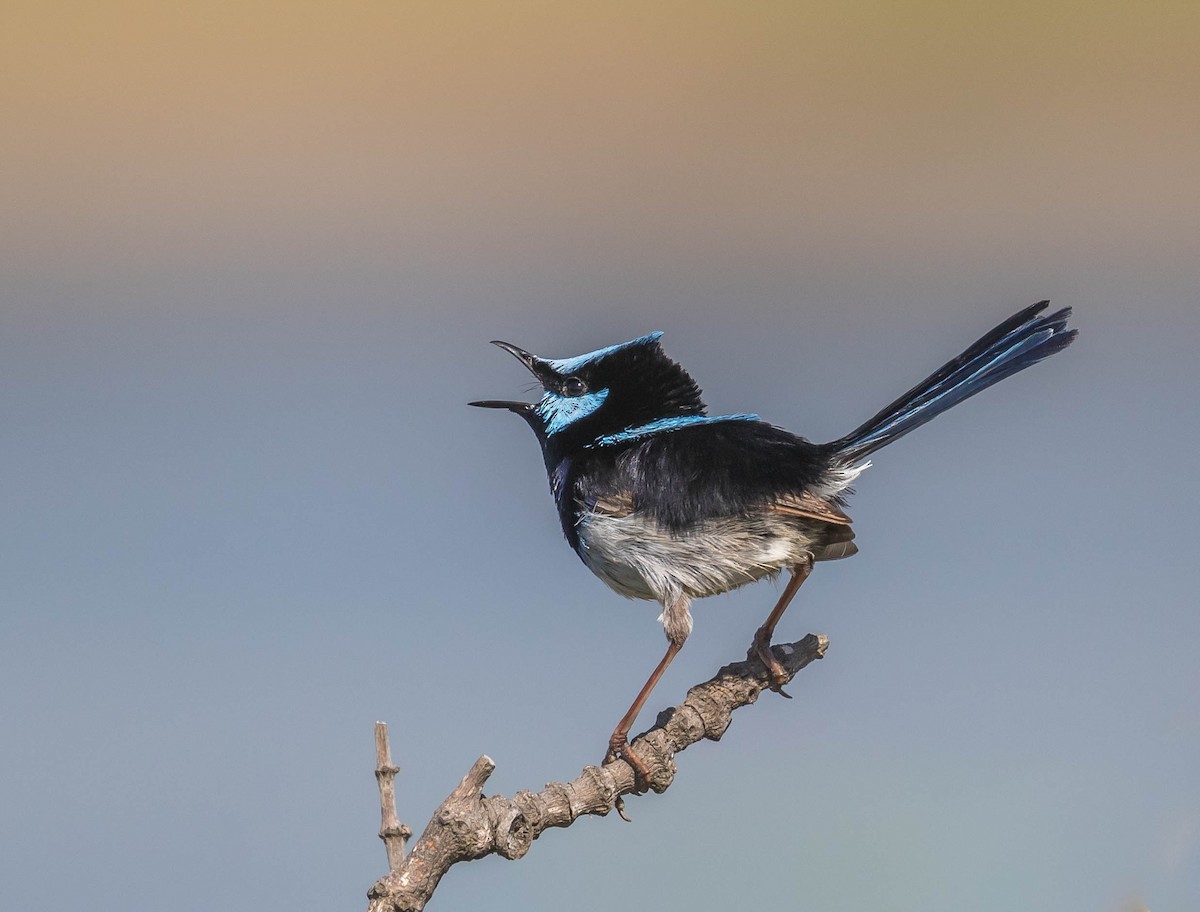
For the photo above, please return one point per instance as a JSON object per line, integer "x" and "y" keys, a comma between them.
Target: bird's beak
{"x": 518, "y": 407}
{"x": 530, "y": 361}
{"x": 535, "y": 365}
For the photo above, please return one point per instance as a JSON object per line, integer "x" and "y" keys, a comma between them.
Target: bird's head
{"x": 603, "y": 392}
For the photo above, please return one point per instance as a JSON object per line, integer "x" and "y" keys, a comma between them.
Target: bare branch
{"x": 468, "y": 825}
{"x": 393, "y": 833}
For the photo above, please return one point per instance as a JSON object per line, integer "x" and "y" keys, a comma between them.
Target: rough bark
{"x": 468, "y": 825}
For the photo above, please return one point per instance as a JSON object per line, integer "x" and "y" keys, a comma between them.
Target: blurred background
{"x": 252, "y": 254}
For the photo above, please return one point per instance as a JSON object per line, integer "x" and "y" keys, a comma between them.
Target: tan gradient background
{"x": 250, "y": 258}
{"x": 163, "y": 133}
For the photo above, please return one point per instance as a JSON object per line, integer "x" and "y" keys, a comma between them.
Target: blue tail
{"x": 1021, "y": 340}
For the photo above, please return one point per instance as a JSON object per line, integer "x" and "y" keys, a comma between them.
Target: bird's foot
{"x": 619, "y": 749}
{"x": 779, "y": 677}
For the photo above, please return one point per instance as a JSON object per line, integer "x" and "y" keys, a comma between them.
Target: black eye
{"x": 573, "y": 386}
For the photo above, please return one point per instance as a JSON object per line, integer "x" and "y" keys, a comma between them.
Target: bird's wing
{"x": 691, "y": 474}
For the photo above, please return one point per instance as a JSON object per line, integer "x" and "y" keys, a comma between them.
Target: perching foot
{"x": 762, "y": 648}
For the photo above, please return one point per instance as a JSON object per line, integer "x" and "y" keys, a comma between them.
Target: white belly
{"x": 640, "y": 559}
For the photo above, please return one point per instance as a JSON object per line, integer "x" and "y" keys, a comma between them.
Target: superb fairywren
{"x": 664, "y": 502}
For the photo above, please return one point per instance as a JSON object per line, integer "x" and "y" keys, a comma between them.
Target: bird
{"x": 665, "y": 502}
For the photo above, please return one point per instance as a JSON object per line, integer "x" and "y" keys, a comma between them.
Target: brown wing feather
{"x": 805, "y": 505}
{"x": 618, "y": 504}
{"x": 810, "y": 506}
{"x": 838, "y": 540}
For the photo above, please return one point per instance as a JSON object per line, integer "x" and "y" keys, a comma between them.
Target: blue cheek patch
{"x": 559, "y": 412}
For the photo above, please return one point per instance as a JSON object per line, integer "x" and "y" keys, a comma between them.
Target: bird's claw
{"x": 775, "y": 671}
{"x": 619, "y": 749}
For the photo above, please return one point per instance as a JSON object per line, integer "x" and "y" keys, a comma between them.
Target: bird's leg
{"x": 762, "y": 637}
{"x": 618, "y": 744}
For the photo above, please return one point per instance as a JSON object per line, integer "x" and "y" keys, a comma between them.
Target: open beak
{"x": 535, "y": 366}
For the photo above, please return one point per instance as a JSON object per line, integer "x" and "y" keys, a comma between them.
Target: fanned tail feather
{"x": 1018, "y": 342}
